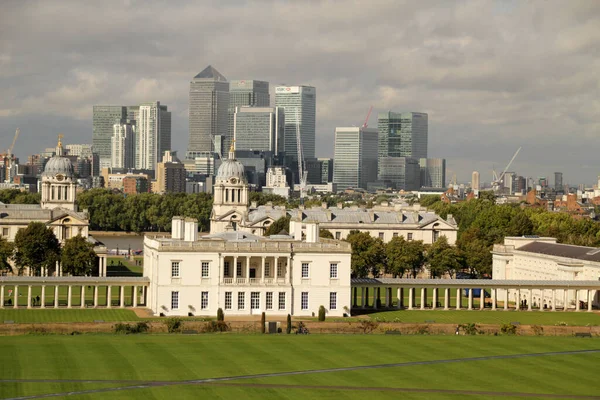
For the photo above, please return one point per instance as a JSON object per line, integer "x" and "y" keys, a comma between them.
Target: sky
{"x": 492, "y": 75}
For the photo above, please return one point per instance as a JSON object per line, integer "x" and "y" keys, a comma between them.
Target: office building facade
{"x": 123, "y": 146}
{"x": 300, "y": 105}
{"x": 355, "y": 157}
{"x": 103, "y": 120}
{"x": 475, "y": 184}
{"x": 433, "y": 172}
{"x": 259, "y": 128}
{"x": 403, "y": 134}
{"x": 153, "y": 135}
{"x": 245, "y": 93}
{"x": 558, "y": 181}
{"x": 401, "y": 173}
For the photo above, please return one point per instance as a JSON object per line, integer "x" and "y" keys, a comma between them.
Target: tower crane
{"x": 499, "y": 179}
{"x": 302, "y": 172}
{"x": 367, "y": 119}
{"x": 10, "y": 149}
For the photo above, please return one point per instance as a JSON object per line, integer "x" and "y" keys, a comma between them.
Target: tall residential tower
{"x": 300, "y": 106}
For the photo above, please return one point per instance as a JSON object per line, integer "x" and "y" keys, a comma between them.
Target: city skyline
{"x": 492, "y": 76}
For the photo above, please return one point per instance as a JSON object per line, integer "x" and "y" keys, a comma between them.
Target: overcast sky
{"x": 492, "y": 75}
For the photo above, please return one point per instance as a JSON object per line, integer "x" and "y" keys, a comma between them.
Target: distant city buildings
{"x": 259, "y": 128}
{"x": 245, "y": 93}
{"x": 355, "y": 159}
{"x": 558, "y": 181}
{"x": 299, "y": 104}
{"x": 170, "y": 175}
{"x": 104, "y": 118}
{"x": 433, "y": 172}
{"x": 123, "y": 145}
{"x": 153, "y": 134}
{"x": 400, "y": 173}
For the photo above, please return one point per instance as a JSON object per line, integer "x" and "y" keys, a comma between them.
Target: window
{"x": 269, "y": 301}
{"x": 241, "y": 300}
{"x": 175, "y": 269}
{"x": 333, "y": 301}
{"x": 304, "y": 302}
{"x": 436, "y": 235}
{"x": 228, "y": 300}
{"x": 205, "y": 269}
{"x": 409, "y": 236}
{"x": 239, "y": 268}
{"x": 338, "y": 235}
{"x": 174, "y": 300}
{"x": 305, "y": 270}
{"x": 333, "y": 271}
{"x": 280, "y": 270}
{"x": 381, "y": 235}
{"x": 4, "y": 231}
{"x": 267, "y": 269}
{"x": 282, "y": 300}
{"x": 395, "y": 234}
{"x": 204, "y": 301}
{"x": 226, "y": 268}
{"x": 255, "y": 300}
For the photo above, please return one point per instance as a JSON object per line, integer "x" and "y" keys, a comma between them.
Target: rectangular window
{"x": 226, "y": 268}
{"x": 4, "y": 231}
{"x": 280, "y": 270}
{"x": 409, "y": 236}
{"x": 333, "y": 301}
{"x": 304, "y": 302}
{"x": 204, "y": 301}
{"x": 338, "y": 235}
{"x": 255, "y": 300}
{"x": 228, "y": 300}
{"x": 282, "y": 300}
{"x": 174, "y": 300}
{"x": 333, "y": 271}
{"x": 436, "y": 236}
{"x": 205, "y": 269}
{"x": 395, "y": 234}
{"x": 239, "y": 269}
{"x": 269, "y": 301}
{"x": 175, "y": 269}
{"x": 241, "y": 300}
{"x": 305, "y": 270}
{"x": 267, "y": 269}
{"x": 381, "y": 235}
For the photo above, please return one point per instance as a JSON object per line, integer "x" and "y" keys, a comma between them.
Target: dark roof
{"x": 563, "y": 250}
{"x": 211, "y": 73}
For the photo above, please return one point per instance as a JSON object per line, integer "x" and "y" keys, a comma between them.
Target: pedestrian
{"x": 457, "y": 329}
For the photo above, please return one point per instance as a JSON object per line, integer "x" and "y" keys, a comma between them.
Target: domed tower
{"x": 58, "y": 184}
{"x": 230, "y": 204}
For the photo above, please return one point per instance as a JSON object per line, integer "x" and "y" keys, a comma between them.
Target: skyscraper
{"x": 104, "y": 117}
{"x": 403, "y": 173}
{"x": 123, "y": 145}
{"x": 355, "y": 157}
{"x": 259, "y": 128}
{"x": 208, "y": 111}
{"x": 300, "y": 106}
{"x": 153, "y": 135}
{"x": 558, "y": 181}
{"x": 403, "y": 134}
{"x": 245, "y": 93}
{"x": 433, "y": 172}
{"x": 475, "y": 185}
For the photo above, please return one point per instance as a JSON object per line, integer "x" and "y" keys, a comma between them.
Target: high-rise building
{"x": 433, "y": 172}
{"x": 79, "y": 150}
{"x": 300, "y": 106}
{"x": 245, "y": 93}
{"x": 558, "y": 181}
{"x": 510, "y": 182}
{"x": 355, "y": 157}
{"x": 104, "y": 117}
{"x": 208, "y": 111}
{"x": 475, "y": 185}
{"x": 123, "y": 145}
{"x": 403, "y": 134}
{"x": 326, "y": 170}
{"x": 170, "y": 174}
{"x": 153, "y": 135}
{"x": 401, "y": 173}
{"x": 259, "y": 128}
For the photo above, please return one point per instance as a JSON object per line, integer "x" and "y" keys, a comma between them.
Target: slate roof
{"x": 563, "y": 250}
{"x": 211, "y": 73}
{"x": 234, "y": 236}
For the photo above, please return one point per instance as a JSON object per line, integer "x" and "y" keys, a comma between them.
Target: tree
{"x": 404, "y": 256}
{"x": 36, "y": 247}
{"x": 282, "y": 224}
{"x": 447, "y": 261}
{"x": 368, "y": 254}
{"x": 220, "y": 315}
{"x": 520, "y": 225}
{"x": 78, "y": 257}
{"x": 288, "y": 327}
{"x": 429, "y": 199}
{"x": 263, "y": 320}
{"x": 325, "y": 234}
{"x": 321, "y": 313}
{"x": 6, "y": 252}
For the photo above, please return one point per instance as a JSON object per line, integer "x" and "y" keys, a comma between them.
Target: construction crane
{"x": 367, "y": 119}
{"x": 302, "y": 172}
{"x": 10, "y": 149}
{"x": 499, "y": 179}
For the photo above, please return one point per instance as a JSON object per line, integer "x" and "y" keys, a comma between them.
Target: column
{"x": 482, "y": 299}
{"x": 56, "y": 296}
{"x": 553, "y": 299}
{"x": 247, "y": 269}
{"x": 16, "y": 295}
{"x": 446, "y": 298}
{"x": 566, "y": 300}
{"x": 82, "y": 302}
{"x": 354, "y": 297}
{"x": 362, "y": 297}
{"x": 530, "y": 300}
{"x": 122, "y": 296}
{"x": 434, "y": 298}
{"x": 423, "y": 298}
{"x": 262, "y": 266}
{"x": 95, "y": 296}
{"x": 506, "y": 300}
{"x": 29, "y": 296}
{"x": 108, "y": 296}
{"x": 577, "y": 300}
{"x": 375, "y": 297}
{"x": 494, "y": 294}
{"x": 387, "y": 297}
{"x": 235, "y": 261}
{"x": 287, "y": 269}
{"x": 518, "y": 307}
{"x": 399, "y": 298}
{"x": 366, "y": 297}
{"x": 135, "y": 296}
{"x": 1, "y": 296}
{"x": 458, "y": 299}
{"x": 69, "y": 293}
{"x": 590, "y": 299}
{"x": 470, "y": 300}
{"x": 541, "y": 300}
{"x": 411, "y": 293}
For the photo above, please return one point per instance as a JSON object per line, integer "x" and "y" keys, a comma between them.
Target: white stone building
{"x": 534, "y": 258}
{"x": 240, "y": 272}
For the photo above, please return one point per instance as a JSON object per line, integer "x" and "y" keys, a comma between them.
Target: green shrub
{"x": 469, "y": 329}
{"x": 537, "y": 330}
{"x": 321, "y": 313}
{"x": 216, "y": 326}
{"x": 263, "y": 320}
{"x": 508, "y": 329}
{"x": 174, "y": 325}
{"x": 288, "y": 328}
{"x": 140, "y": 327}
{"x": 220, "y": 315}
{"x": 368, "y": 326}
{"x": 423, "y": 329}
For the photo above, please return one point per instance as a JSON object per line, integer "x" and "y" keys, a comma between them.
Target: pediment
{"x": 438, "y": 224}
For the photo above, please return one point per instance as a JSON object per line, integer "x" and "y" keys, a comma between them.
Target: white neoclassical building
{"x": 533, "y": 258}
{"x": 240, "y": 272}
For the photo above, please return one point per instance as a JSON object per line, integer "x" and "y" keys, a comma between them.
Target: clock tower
{"x": 58, "y": 182}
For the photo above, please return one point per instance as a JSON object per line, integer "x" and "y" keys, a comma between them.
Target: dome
{"x": 58, "y": 165}
{"x": 231, "y": 168}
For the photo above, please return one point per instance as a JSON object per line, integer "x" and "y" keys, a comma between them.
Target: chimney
{"x": 177, "y": 226}
{"x": 191, "y": 230}
{"x": 312, "y": 232}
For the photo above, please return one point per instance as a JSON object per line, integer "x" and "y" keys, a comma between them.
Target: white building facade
{"x": 123, "y": 145}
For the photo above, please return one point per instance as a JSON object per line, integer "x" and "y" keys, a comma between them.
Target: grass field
{"x": 176, "y": 366}
{"x": 63, "y": 315}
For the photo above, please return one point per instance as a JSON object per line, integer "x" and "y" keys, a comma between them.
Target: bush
{"x": 508, "y": 329}
{"x": 263, "y": 320}
{"x": 288, "y": 328}
{"x": 140, "y": 327}
{"x": 321, "y": 313}
{"x": 368, "y": 326}
{"x": 220, "y": 315}
{"x": 537, "y": 330}
{"x": 469, "y": 329}
{"x": 216, "y": 326}
{"x": 174, "y": 325}
{"x": 423, "y": 330}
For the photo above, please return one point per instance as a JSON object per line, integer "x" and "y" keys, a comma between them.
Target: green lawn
{"x": 63, "y": 315}
{"x": 581, "y": 318}
{"x": 121, "y": 266}
{"x": 172, "y": 359}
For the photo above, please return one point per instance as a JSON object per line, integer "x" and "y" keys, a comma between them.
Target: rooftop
{"x": 211, "y": 73}
{"x": 563, "y": 250}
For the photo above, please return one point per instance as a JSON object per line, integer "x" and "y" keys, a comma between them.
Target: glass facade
{"x": 401, "y": 172}
{"x": 259, "y": 128}
{"x": 300, "y": 105}
{"x": 433, "y": 172}
{"x": 403, "y": 134}
{"x": 245, "y": 93}
{"x": 355, "y": 157}
{"x": 104, "y": 118}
